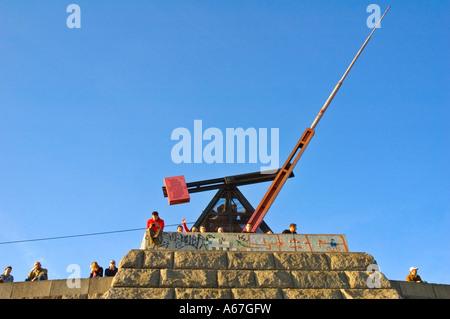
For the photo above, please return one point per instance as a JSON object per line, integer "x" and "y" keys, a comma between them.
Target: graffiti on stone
{"x": 253, "y": 242}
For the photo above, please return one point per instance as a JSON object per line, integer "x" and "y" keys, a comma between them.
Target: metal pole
{"x": 338, "y": 85}
{"x": 291, "y": 162}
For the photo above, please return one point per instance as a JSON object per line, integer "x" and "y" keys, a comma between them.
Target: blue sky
{"x": 86, "y": 117}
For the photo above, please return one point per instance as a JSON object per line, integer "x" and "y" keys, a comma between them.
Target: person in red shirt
{"x": 155, "y": 222}
{"x": 193, "y": 229}
{"x": 155, "y": 226}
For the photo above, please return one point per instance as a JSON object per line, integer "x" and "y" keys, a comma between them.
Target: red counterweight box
{"x": 177, "y": 191}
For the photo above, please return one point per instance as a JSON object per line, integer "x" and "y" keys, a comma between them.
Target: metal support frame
{"x": 227, "y": 189}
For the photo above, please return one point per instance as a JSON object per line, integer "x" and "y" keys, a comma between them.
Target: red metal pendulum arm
{"x": 283, "y": 174}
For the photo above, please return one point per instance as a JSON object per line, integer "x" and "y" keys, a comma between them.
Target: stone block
{"x": 188, "y": 278}
{"x": 6, "y": 290}
{"x": 273, "y": 279}
{"x": 139, "y": 293}
{"x": 257, "y": 293}
{"x": 311, "y": 294}
{"x": 396, "y": 285}
{"x": 236, "y": 279}
{"x": 98, "y": 286}
{"x": 250, "y": 260}
{"x": 129, "y": 277}
{"x": 158, "y": 259}
{"x": 81, "y": 296}
{"x": 359, "y": 279}
{"x": 414, "y": 290}
{"x": 303, "y": 279}
{"x": 207, "y": 293}
{"x": 61, "y": 287}
{"x": 31, "y": 289}
{"x": 133, "y": 259}
{"x": 441, "y": 291}
{"x": 370, "y": 294}
{"x": 189, "y": 259}
{"x": 301, "y": 261}
{"x": 350, "y": 261}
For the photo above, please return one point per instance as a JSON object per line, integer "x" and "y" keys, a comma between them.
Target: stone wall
{"x": 199, "y": 274}
{"x": 412, "y": 290}
{"x": 95, "y": 287}
{"x": 236, "y": 266}
{"x": 89, "y": 288}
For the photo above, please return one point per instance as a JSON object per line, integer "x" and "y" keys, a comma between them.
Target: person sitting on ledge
{"x": 155, "y": 227}
{"x": 37, "y": 273}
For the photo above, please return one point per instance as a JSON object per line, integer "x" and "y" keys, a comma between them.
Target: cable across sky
{"x": 80, "y": 235}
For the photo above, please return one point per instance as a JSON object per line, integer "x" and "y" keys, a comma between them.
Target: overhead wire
{"x": 80, "y": 235}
